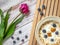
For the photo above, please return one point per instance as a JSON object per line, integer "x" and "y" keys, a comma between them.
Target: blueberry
{"x": 39, "y": 9}
{"x": 45, "y": 36}
{"x": 54, "y": 25}
{"x": 22, "y": 40}
{"x": 17, "y": 38}
{"x": 26, "y": 36}
{"x": 56, "y": 32}
{"x": 43, "y": 6}
{"x": 20, "y": 32}
{"x": 44, "y": 31}
{"x": 12, "y": 37}
{"x": 41, "y": 13}
{"x": 14, "y": 42}
{"x": 52, "y": 40}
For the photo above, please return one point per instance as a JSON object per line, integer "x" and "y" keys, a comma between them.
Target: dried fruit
{"x": 49, "y": 34}
{"x": 53, "y": 29}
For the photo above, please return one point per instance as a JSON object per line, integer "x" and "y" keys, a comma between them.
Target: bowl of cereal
{"x": 48, "y": 31}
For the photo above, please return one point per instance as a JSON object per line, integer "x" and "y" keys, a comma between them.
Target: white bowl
{"x": 39, "y": 25}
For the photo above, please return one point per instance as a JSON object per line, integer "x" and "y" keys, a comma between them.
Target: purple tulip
{"x": 24, "y": 9}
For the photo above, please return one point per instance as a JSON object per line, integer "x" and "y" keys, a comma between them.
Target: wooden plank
{"x": 34, "y": 23}
{"x": 55, "y": 8}
{"x": 44, "y": 11}
{"x": 58, "y": 11}
{"x": 52, "y": 7}
{"x": 35, "y": 42}
{"x": 39, "y": 16}
{"x": 48, "y": 7}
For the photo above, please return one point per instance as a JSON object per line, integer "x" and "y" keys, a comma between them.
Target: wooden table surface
{"x": 52, "y": 8}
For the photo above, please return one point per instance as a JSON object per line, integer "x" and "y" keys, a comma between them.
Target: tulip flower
{"x": 8, "y": 30}
{"x": 24, "y": 9}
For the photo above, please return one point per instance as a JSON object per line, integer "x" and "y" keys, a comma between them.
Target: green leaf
{"x": 0, "y": 11}
{"x": 11, "y": 27}
{"x": 6, "y": 20}
{"x": 1, "y": 25}
{"x": 10, "y": 31}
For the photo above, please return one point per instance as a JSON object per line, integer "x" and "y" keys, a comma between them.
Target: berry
{"x": 20, "y": 32}
{"x": 22, "y": 40}
{"x": 17, "y": 38}
{"x": 39, "y": 9}
{"x": 52, "y": 40}
{"x": 26, "y": 36}
{"x": 45, "y": 36}
{"x": 14, "y": 42}
{"x": 44, "y": 31}
{"x": 54, "y": 25}
{"x": 56, "y": 32}
{"x": 12, "y": 37}
{"x": 43, "y": 6}
{"x": 41, "y": 13}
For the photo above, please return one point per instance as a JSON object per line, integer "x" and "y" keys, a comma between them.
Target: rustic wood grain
{"x": 55, "y": 7}
{"x": 45, "y": 3}
{"x": 34, "y": 24}
{"x": 48, "y": 7}
{"x": 58, "y": 11}
{"x": 39, "y": 16}
{"x": 52, "y": 9}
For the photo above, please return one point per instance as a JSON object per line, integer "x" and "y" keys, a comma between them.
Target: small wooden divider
{"x": 52, "y": 8}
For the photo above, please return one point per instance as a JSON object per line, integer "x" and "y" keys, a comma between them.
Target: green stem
{"x": 1, "y": 43}
{"x": 12, "y": 22}
{"x": 16, "y": 17}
